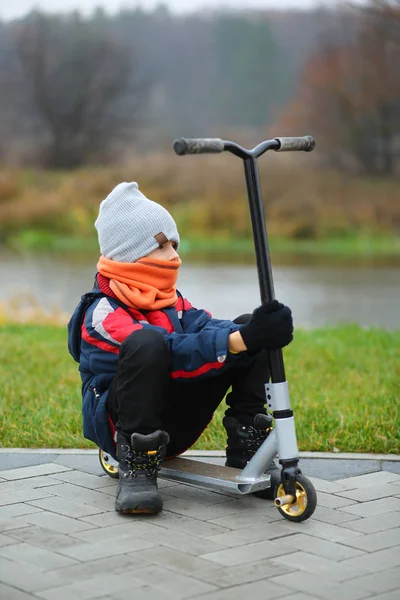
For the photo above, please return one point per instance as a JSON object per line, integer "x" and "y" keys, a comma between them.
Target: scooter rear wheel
{"x": 305, "y": 504}
{"x": 107, "y": 464}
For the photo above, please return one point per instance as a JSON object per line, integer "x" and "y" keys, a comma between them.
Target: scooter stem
{"x": 263, "y": 258}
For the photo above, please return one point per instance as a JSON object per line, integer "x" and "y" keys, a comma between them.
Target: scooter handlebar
{"x": 198, "y": 146}
{"x": 290, "y": 144}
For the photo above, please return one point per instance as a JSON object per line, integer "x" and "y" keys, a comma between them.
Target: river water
{"x": 318, "y": 295}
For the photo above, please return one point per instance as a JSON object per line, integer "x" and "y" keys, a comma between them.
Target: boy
{"x": 153, "y": 367}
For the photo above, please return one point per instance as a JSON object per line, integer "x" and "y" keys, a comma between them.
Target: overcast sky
{"x": 10, "y": 9}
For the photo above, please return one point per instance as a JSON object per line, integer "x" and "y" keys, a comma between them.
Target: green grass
{"x": 344, "y": 383}
{"x": 354, "y": 246}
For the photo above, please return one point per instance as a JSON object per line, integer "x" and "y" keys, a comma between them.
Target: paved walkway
{"x": 60, "y": 538}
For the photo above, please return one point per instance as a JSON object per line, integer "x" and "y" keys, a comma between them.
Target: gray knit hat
{"x": 128, "y": 223}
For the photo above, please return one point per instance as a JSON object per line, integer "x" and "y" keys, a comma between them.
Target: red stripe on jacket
{"x": 196, "y": 372}
{"x": 182, "y": 304}
{"x": 118, "y": 324}
{"x": 95, "y": 342}
{"x": 159, "y": 319}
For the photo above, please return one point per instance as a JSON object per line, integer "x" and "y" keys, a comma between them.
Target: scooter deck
{"x": 211, "y": 476}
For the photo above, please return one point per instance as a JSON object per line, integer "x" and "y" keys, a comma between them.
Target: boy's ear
{"x": 161, "y": 239}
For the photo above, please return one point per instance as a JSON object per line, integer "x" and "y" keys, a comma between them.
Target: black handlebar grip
{"x": 198, "y": 146}
{"x": 290, "y": 144}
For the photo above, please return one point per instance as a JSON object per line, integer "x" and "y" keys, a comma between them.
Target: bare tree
{"x": 350, "y": 94}
{"x": 78, "y": 78}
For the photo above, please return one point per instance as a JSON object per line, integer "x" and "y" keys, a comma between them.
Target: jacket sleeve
{"x": 201, "y": 350}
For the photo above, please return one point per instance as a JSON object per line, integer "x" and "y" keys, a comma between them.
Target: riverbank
{"x": 357, "y": 248}
{"x": 309, "y": 212}
{"x": 344, "y": 384}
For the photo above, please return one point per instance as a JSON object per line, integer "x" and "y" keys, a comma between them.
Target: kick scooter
{"x": 295, "y": 496}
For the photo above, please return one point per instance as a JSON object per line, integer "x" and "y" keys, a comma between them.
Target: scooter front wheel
{"x": 107, "y": 464}
{"x": 304, "y": 505}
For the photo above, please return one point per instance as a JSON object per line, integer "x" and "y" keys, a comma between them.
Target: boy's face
{"x": 166, "y": 251}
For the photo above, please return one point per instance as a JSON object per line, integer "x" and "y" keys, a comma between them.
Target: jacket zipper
{"x": 95, "y": 392}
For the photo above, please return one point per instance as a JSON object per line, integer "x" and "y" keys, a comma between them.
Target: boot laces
{"x": 147, "y": 463}
{"x": 254, "y": 438}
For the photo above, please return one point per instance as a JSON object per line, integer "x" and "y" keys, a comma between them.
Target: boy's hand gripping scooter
{"x": 295, "y": 496}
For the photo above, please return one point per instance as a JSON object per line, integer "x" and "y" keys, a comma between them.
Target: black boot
{"x": 139, "y": 457}
{"x": 244, "y": 441}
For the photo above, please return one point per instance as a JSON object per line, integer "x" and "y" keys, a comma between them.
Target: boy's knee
{"x": 242, "y": 319}
{"x": 149, "y": 343}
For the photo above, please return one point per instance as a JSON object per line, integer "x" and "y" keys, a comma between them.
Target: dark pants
{"x": 143, "y": 398}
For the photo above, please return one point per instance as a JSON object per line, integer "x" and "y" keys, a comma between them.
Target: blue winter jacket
{"x": 198, "y": 347}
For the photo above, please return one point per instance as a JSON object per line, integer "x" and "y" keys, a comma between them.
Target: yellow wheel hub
{"x": 294, "y": 509}
{"x": 107, "y": 466}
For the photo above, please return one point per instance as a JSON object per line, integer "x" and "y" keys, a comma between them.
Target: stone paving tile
{"x": 129, "y": 528}
{"x": 375, "y": 523}
{"x": 385, "y": 581}
{"x": 307, "y": 543}
{"x": 196, "y": 494}
{"x": 26, "y": 496}
{"x": 86, "y": 480}
{"x": 110, "y": 564}
{"x": 181, "y": 541}
{"x": 15, "y": 460}
{"x": 301, "y": 596}
{"x": 55, "y": 522}
{"x": 28, "y": 483}
{"x": 9, "y": 593}
{"x": 330, "y": 487}
{"x": 324, "y": 567}
{"x": 142, "y": 593}
{"x": 189, "y": 525}
{"x": 92, "y": 588}
{"x": 192, "y": 509}
{"x": 377, "y": 541}
{"x": 6, "y": 540}
{"x": 44, "y": 538}
{"x": 376, "y": 561}
{"x": 108, "y": 518}
{"x": 29, "y": 578}
{"x": 372, "y": 479}
{"x": 310, "y": 583}
{"x": 170, "y": 582}
{"x": 248, "y": 519}
{"x": 240, "y": 574}
{"x": 245, "y": 554}
{"x": 371, "y": 492}
{"x": 87, "y": 551}
{"x": 16, "y": 510}
{"x": 391, "y": 465}
{"x": 177, "y": 561}
{"x": 374, "y": 507}
{"x": 257, "y": 589}
{"x": 332, "y": 470}
{"x": 33, "y": 471}
{"x": 267, "y": 531}
{"x": 167, "y": 520}
{"x": 333, "y": 533}
{"x": 78, "y": 493}
{"x": 32, "y": 555}
{"x": 10, "y": 524}
{"x": 63, "y": 506}
{"x": 388, "y": 596}
{"x": 332, "y": 516}
{"x": 330, "y": 501}
{"x": 87, "y": 463}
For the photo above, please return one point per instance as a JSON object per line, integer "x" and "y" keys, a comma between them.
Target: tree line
{"x": 80, "y": 90}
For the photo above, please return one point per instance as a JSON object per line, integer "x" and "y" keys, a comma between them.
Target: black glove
{"x": 270, "y": 327}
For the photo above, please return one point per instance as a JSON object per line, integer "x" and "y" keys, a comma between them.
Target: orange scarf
{"x": 147, "y": 284}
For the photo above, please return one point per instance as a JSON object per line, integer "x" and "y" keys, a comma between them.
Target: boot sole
{"x": 139, "y": 511}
